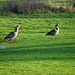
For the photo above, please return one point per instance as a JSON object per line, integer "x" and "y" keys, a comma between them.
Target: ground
{"x": 33, "y": 53}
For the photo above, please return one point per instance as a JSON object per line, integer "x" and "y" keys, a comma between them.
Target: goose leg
{"x": 53, "y": 37}
{"x": 12, "y": 40}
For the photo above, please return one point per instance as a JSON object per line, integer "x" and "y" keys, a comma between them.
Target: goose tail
{"x": 6, "y": 37}
{"x": 46, "y": 34}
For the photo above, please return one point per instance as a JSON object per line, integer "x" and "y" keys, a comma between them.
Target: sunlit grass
{"x": 33, "y": 53}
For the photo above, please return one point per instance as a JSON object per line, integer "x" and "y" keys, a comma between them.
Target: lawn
{"x": 33, "y": 53}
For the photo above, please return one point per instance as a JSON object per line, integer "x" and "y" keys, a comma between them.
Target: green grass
{"x": 33, "y": 53}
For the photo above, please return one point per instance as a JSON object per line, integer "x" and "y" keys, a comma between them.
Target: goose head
{"x": 57, "y": 25}
{"x": 17, "y": 27}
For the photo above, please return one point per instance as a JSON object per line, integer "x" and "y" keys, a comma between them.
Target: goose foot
{"x": 12, "y": 40}
{"x": 53, "y": 37}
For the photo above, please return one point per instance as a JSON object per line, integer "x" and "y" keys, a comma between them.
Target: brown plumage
{"x": 54, "y": 32}
{"x": 13, "y": 34}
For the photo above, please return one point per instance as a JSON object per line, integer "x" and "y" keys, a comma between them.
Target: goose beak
{"x": 20, "y": 26}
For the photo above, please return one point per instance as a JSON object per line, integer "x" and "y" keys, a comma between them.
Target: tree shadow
{"x": 38, "y": 52}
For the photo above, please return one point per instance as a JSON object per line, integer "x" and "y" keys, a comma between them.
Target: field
{"x": 33, "y": 53}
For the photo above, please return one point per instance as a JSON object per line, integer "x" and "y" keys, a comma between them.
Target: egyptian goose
{"x": 54, "y": 32}
{"x": 13, "y": 34}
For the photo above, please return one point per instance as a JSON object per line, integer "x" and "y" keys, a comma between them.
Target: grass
{"x": 33, "y": 53}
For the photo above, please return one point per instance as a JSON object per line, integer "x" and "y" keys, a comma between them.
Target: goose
{"x": 54, "y": 32}
{"x": 12, "y": 35}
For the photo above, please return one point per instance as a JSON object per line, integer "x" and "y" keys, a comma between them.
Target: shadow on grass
{"x": 53, "y": 15}
{"x": 3, "y": 41}
{"x": 44, "y": 16}
{"x": 38, "y": 52}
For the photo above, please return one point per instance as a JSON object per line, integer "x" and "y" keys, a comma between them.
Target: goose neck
{"x": 16, "y": 30}
{"x": 57, "y": 28}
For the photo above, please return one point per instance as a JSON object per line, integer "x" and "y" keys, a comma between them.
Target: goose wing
{"x": 52, "y": 32}
{"x": 11, "y": 35}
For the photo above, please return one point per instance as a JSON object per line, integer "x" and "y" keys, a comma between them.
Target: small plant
{"x": 31, "y": 7}
{"x": 11, "y": 6}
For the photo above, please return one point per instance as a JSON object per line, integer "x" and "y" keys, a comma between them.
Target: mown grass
{"x": 33, "y": 53}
